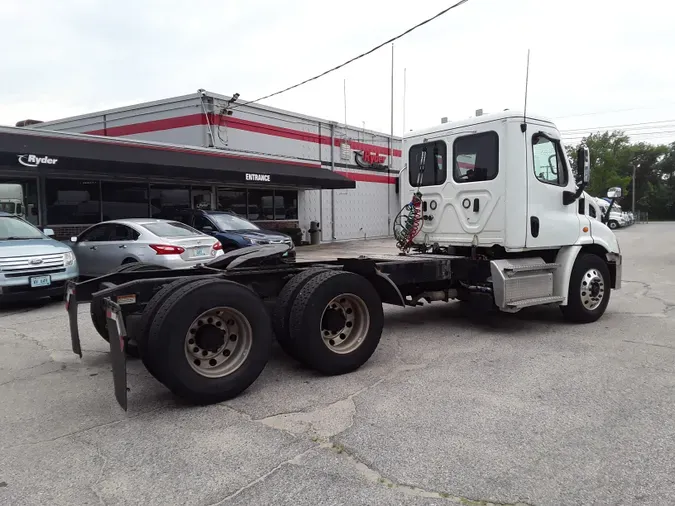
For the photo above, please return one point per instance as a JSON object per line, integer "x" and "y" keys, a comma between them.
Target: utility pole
{"x": 635, "y": 167}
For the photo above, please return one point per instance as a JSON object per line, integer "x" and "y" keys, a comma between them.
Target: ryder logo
{"x": 258, "y": 177}
{"x": 34, "y": 161}
{"x": 369, "y": 160}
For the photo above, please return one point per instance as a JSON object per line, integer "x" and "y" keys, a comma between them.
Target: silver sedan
{"x": 107, "y": 245}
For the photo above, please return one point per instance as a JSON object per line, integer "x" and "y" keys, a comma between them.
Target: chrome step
{"x": 539, "y": 301}
{"x": 531, "y": 267}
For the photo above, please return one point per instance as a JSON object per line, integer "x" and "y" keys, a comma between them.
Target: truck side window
{"x": 549, "y": 165}
{"x": 476, "y": 157}
{"x": 427, "y": 164}
{"x": 591, "y": 212}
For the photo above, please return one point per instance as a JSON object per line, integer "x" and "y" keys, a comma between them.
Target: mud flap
{"x": 118, "y": 343}
{"x": 71, "y": 308}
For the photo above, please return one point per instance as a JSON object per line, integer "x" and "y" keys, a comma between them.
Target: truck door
{"x": 550, "y": 223}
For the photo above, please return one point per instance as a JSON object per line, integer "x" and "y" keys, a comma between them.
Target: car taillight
{"x": 165, "y": 249}
{"x": 217, "y": 246}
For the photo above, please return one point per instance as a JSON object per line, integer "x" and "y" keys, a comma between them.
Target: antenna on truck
{"x": 523, "y": 126}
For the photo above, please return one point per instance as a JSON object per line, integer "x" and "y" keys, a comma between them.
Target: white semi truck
{"x": 491, "y": 215}
{"x": 11, "y": 199}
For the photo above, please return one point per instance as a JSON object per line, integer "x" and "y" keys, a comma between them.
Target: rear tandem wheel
{"x": 336, "y": 322}
{"x": 211, "y": 340}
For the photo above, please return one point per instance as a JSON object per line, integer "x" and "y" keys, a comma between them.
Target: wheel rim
{"x": 218, "y": 342}
{"x": 592, "y": 289}
{"x": 344, "y": 323}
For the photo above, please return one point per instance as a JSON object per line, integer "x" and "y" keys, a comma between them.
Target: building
{"x": 280, "y": 169}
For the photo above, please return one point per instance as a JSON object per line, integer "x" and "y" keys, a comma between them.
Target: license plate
{"x": 199, "y": 252}
{"x": 39, "y": 281}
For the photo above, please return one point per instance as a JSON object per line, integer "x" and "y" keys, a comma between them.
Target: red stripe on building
{"x": 238, "y": 124}
{"x": 367, "y": 178}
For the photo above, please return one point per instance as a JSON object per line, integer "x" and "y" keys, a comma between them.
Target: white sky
{"x": 594, "y": 62}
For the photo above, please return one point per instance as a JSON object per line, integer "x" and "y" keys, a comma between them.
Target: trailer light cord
{"x": 444, "y": 11}
{"x": 409, "y": 220}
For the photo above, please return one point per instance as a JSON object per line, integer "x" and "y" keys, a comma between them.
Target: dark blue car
{"x": 231, "y": 230}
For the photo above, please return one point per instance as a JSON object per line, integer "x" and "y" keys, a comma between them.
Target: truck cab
{"x": 11, "y": 199}
{"x": 500, "y": 186}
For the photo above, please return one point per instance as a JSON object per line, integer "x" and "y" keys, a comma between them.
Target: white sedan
{"x": 107, "y": 245}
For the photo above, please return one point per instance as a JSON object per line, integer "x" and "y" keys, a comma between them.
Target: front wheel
{"x": 590, "y": 286}
{"x": 613, "y": 224}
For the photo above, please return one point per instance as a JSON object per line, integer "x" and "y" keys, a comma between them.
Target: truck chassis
{"x": 206, "y": 332}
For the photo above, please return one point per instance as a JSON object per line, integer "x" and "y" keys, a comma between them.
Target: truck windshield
{"x": 13, "y": 229}
{"x": 8, "y": 207}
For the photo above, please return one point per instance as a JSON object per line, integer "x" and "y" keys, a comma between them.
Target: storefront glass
{"x": 73, "y": 202}
{"x": 233, "y": 200}
{"x": 167, "y": 198}
{"x": 124, "y": 200}
{"x": 201, "y": 197}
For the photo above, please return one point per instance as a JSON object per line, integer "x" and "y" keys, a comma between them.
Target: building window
{"x": 286, "y": 204}
{"x": 476, "y": 157}
{"x": 427, "y": 164}
{"x": 201, "y": 197}
{"x": 124, "y": 200}
{"x": 261, "y": 205}
{"x": 232, "y": 200}
{"x": 167, "y": 199}
{"x": 549, "y": 164}
{"x": 73, "y": 202}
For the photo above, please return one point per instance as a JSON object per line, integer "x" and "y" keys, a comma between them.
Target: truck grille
{"x": 33, "y": 264}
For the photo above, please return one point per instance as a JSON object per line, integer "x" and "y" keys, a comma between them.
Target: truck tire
{"x": 613, "y": 224}
{"x": 336, "y": 322}
{"x": 212, "y": 339}
{"x": 149, "y": 359}
{"x": 97, "y": 310}
{"x": 282, "y": 309}
{"x": 589, "y": 290}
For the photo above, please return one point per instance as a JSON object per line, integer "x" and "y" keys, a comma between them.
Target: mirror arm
{"x": 570, "y": 197}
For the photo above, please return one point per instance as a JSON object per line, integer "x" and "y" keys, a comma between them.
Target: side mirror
{"x": 19, "y": 209}
{"x": 48, "y": 232}
{"x": 614, "y": 193}
{"x": 584, "y": 164}
{"x": 208, "y": 229}
{"x": 73, "y": 239}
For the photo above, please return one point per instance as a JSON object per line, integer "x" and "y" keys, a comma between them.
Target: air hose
{"x": 408, "y": 223}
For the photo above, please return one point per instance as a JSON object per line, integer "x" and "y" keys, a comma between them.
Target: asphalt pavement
{"x": 515, "y": 409}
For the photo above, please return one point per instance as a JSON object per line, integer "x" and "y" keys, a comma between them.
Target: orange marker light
{"x": 585, "y": 229}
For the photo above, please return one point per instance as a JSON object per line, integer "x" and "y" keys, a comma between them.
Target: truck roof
{"x": 486, "y": 118}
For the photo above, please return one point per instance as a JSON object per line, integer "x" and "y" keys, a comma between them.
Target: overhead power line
{"x": 629, "y": 126}
{"x": 444, "y": 11}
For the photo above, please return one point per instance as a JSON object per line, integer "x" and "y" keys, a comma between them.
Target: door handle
{"x": 534, "y": 226}
{"x": 92, "y": 247}
{"x": 476, "y": 205}
{"x": 122, "y": 246}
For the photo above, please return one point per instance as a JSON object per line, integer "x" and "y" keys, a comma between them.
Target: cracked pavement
{"x": 516, "y": 409}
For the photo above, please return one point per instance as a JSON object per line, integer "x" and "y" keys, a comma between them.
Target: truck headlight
{"x": 68, "y": 258}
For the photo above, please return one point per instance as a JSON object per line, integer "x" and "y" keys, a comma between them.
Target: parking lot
{"x": 514, "y": 409}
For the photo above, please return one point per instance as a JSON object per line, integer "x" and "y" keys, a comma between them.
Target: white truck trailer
{"x": 504, "y": 228}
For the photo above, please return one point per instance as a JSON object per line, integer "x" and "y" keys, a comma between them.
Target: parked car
{"x": 233, "y": 231}
{"x": 32, "y": 264}
{"x": 107, "y": 245}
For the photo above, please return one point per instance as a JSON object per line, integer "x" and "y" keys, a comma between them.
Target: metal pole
{"x": 633, "y": 209}
{"x": 332, "y": 168}
{"x": 391, "y": 143}
{"x": 404, "y": 87}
